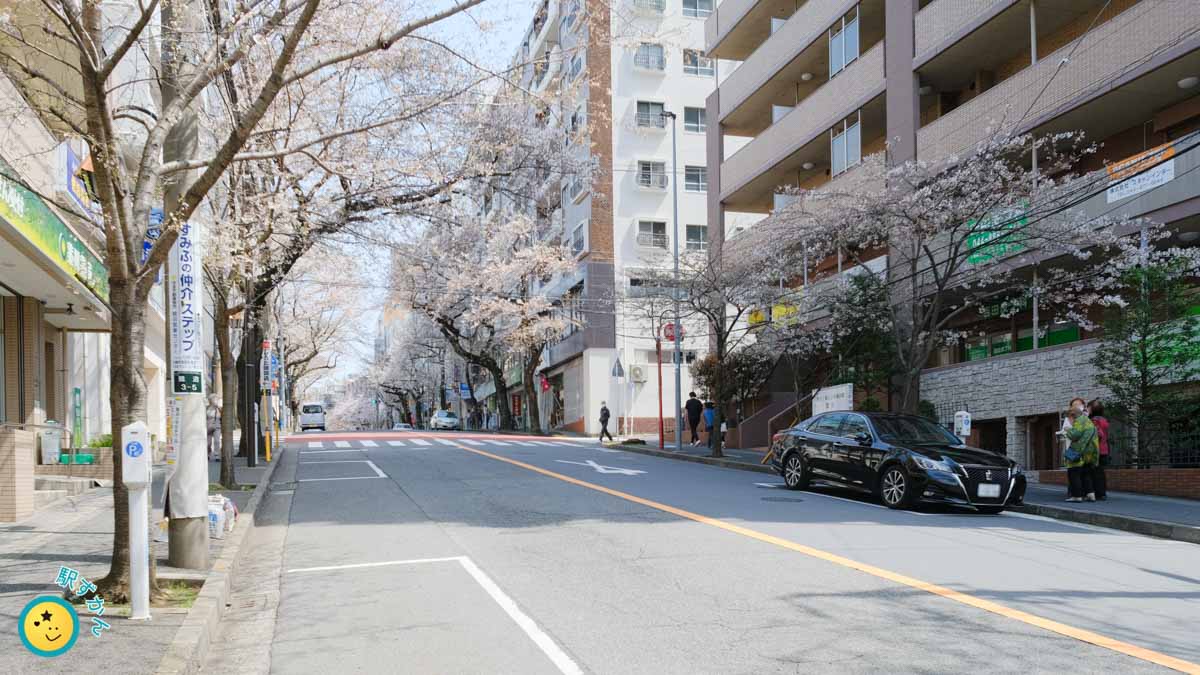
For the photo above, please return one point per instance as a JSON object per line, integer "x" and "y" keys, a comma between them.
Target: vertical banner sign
{"x": 76, "y": 417}
{"x": 264, "y": 368}
{"x": 187, "y": 311}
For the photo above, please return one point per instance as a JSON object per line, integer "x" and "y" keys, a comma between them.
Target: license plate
{"x": 989, "y": 490}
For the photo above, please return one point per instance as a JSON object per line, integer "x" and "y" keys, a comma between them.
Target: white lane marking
{"x": 771, "y": 485}
{"x": 316, "y": 444}
{"x": 862, "y": 503}
{"x": 600, "y": 468}
{"x": 548, "y": 646}
{"x": 341, "y": 444}
{"x": 370, "y": 444}
{"x": 544, "y": 642}
{"x": 378, "y": 472}
{"x": 524, "y": 443}
{"x": 543, "y": 443}
{"x": 471, "y": 442}
{"x": 386, "y": 563}
{"x": 443, "y": 441}
{"x": 495, "y": 442}
{"x": 283, "y": 492}
{"x": 421, "y": 441}
{"x": 327, "y": 452}
{"x": 396, "y": 444}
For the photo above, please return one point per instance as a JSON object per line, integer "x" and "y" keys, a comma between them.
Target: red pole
{"x": 658, "y": 350}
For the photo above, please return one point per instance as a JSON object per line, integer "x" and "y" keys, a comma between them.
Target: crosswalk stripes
{"x": 370, "y": 444}
{"x": 543, "y": 443}
{"x": 341, "y": 444}
{"x": 470, "y": 442}
{"x": 495, "y": 442}
{"x": 421, "y": 441}
{"x": 396, "y": 444}
{"x": 316, "y": 444}
{"x": 524, "y": 443}
{"x": 445, "y": 441}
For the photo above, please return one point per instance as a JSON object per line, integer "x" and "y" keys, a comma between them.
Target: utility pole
{"x": 188, "y": 519}
{"x": 675, "y": 287}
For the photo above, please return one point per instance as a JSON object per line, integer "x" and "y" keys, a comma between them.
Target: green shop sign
{"x": 26, "y": 212}
{"x": 994, "y": 237}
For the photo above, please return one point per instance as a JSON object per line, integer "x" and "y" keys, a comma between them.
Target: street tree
{"x": 959, "y": 235}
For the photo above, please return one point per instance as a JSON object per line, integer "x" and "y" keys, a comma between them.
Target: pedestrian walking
{"x": 1082, "y": 454}
{"x": 604, "y": 417}
{"x": 1099, "y": 480}
{"x": 694, "y": 410}
{"x": 212, "y": 425}
{"x": 710, "y": 418}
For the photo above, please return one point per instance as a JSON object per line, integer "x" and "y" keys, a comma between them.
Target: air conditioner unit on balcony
{"x": 637, "y": 373}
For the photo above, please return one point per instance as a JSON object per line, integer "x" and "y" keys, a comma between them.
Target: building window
{"x": 568, "y": 19}
{"x": 652, "y": 233}
{"x": 695, "y": 178}
{"x": 697, "y": 8}
{"x": 697, "y": 237}
{"x": 576, "y": 67}
{"x": 655, "y": 6}
{"x": 696, "y": 64}
{"x": 845, "y": 144}
{"x": 843, "y": 42}
{"x": 652, "y": 175}
{"x": 578, "y": 119}
{"x": 694, "y": 119}
{"x": 650, "y": 56}
{"x": 579, "y": 238}
{"x": 650, "y": 114}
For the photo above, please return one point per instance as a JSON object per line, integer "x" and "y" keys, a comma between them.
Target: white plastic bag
{"x": 216, "y": 517}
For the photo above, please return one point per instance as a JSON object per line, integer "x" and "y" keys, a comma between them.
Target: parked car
{"x": 312, "y": 416}
{"x": 444, "y": 420}
{"x": 402, "y": 426}
{"x": 902, "y": 459}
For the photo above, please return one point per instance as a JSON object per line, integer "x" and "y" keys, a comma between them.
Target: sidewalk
{"x": 77, "y": 532}
{"x": 1164, "y": 517}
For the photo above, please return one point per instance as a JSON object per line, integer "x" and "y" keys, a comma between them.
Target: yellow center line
{"x": 948, "y": 593}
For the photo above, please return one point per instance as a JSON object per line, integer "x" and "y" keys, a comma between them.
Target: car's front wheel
{"x": 794, "y": 474}
{"x": 895, "y": 488}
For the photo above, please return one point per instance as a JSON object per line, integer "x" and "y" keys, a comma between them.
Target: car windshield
{"x": 914, "y": 431}
{"x": 311, "y": 409}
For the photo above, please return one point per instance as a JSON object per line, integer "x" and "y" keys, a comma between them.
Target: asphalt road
{"x": 463, "y": 553}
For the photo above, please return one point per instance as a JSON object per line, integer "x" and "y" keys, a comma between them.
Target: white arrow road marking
{"x": 600, "y": 468}
{"x": 421, "y": 441}
{"x": 370, "y": 444}
{"x": 316, "y": 444}
{"x": 341, "y": 444}
{"x": 396, "y": 444}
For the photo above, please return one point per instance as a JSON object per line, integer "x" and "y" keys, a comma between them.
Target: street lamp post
{"x": 675, "y": 287}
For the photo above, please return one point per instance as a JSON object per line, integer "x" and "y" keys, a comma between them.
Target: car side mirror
{"x": 863, "y": 438}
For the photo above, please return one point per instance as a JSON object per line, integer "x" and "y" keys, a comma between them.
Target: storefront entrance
{"x": 1044, "y": 448}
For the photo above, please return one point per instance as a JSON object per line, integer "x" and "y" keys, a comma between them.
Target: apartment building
{"x": 614, "y": 69}
{"x": 823, "y": 84}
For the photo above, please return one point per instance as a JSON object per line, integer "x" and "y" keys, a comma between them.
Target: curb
{"x": 189, "y": 648}
{"x": 711, "y": 461}
{"x": 1153, "y": 528}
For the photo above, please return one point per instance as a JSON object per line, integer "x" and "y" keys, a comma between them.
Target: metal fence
{"x": 1177, "y": 446}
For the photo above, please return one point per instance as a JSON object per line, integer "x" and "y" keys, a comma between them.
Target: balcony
{"x": 1106, "y": 59}
{"x": 653, "y": 181}
{"x": 777, "y": 148}
{"x": 650, "y": 120}
{"x": 650, "y": 7}
{"x": 773, "y": 73}
{"x": 647, "y": 60}
{"x": 648, "y": 240}
{"x": 737, "y": 27}
{"x": 546, "y": 69}
{"x": 545, "y": 22}
{"x": 943, "y": 21}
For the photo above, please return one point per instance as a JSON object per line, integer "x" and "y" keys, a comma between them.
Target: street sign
{"x": 464, "y": 391}
{"x": 669, "y": 331}
{"x": 600, "y": 468}
{"x": 188, "y": 383}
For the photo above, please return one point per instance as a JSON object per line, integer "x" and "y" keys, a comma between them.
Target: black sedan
{"x": 903, "y": 459}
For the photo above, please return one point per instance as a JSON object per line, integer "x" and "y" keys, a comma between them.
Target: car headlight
{"x": 932, "y": 464}
{"x": 1014, "y": 470}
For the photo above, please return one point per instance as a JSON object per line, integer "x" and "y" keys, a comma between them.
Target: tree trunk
{"x": 502, "y": 407}
{"x": 715, "y": 440}
{"x": 532, "y": 357}
{"x": 127, "y": 400}
{"x": 229, "y": 393}
{"x": 255, "y": 316}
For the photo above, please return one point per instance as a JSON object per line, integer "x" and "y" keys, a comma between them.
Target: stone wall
{"x": 1016, "y": 386}
{"x": 16, "y": 474}
{"x": 1159, "y": 481}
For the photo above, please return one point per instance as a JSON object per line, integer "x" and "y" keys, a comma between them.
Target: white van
{"x": 312, "y": 416}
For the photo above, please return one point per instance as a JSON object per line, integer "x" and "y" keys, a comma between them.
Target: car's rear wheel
{"x": 795, "y": 476}
{"x": 895, "y": 488}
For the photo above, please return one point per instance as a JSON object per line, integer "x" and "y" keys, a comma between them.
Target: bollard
{"x": 135, "y": 474}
